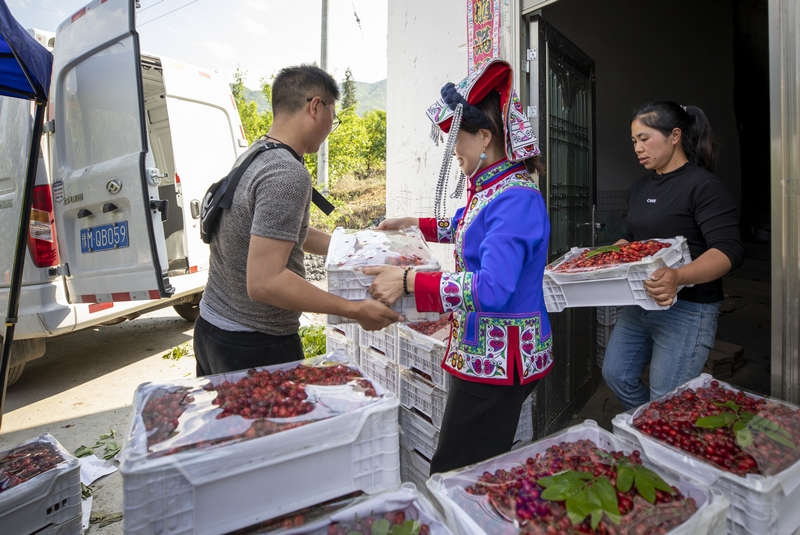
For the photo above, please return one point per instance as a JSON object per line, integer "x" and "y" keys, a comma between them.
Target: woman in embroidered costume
{"x": 500, "y": 343}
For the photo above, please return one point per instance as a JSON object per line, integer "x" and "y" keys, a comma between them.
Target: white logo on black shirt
{"x": 651, "y": 201}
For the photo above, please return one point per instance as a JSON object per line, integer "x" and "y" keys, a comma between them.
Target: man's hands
{"x": 373, "y": 315}
{"x": 388, "y": 285}
{"x": 396, "y": 223}
{"x": 662, "y": 285}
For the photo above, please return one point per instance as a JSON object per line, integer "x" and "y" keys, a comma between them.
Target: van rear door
{"x": 105, "y": 185}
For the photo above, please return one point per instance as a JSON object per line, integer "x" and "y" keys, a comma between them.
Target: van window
{"x": 101, "y": 108}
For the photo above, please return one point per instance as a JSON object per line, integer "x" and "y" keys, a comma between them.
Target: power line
{"x": 151, "y": 5}
{"x": 167, "y": 13}
{"x": 358, "y": 21}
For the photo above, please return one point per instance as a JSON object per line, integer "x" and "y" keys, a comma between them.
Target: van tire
{"x": 14, "y": 373}
{"x": 188, "y": 311}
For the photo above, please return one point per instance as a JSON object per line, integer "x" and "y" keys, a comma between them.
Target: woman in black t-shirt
{"x": 679, "y": 196}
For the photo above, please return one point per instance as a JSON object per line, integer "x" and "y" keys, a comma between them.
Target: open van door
{"x": 105, "y": 184}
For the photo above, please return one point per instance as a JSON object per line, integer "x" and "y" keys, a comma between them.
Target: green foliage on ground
{"x": 313, "y": 338}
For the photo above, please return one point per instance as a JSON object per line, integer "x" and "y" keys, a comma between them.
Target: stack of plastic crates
{"x": 343, "y": 336}
{"x": 378, "y": 351}
{"x": 606, "y": 318}
{"x": 423, "y": 394}
{"x": 41, "y": 489}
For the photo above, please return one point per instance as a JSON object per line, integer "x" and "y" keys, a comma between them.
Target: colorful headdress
{"x": 458, "y": 102}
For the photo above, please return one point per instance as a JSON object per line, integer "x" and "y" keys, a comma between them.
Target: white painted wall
{"x": 426, "y": 49}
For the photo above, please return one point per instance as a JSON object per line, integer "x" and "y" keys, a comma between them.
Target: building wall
{"x": 427, "y": 49}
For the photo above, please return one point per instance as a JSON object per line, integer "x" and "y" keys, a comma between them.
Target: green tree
{"x": 375, "y": 126}
{"x": 255, "y": 124}
{"x": 349, "y": 90}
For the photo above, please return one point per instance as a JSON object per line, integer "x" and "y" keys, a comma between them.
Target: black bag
{"x": 220, "y": 194}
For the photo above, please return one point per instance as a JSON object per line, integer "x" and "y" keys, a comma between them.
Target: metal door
{"x": 560, "y": 89}
{"x": 108, "y": 213}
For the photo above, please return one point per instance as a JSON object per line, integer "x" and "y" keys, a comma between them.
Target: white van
{"x": 132, "y": 142}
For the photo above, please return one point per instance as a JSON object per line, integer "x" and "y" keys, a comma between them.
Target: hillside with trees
{"x": 356, "y": 149}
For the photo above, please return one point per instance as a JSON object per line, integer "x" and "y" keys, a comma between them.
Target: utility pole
{"x": 322, "y": 155}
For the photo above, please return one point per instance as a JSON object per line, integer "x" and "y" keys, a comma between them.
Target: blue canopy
{"x": 25, "y": 65}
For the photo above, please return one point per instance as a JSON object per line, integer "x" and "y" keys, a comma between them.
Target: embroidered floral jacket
{"x": 500, "y": 325}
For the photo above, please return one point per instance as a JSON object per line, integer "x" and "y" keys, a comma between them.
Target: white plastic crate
{"x": 231, "y": 486}
{"x": 417, "y": 433}
{"x": 378, "y": 367}
{"x": 337, "y": 338}
{"x": 763, "y": 505}
{"x": 53, "y": 497}
{"x": 608, "y": 315}
{"x": 601, "y": 356}
{"x": 415, "y": 468}
{"x": 351, "y": 250}
{"x": 603, "y": 334}
{"x": 70, "y": 527}
{"x": 406, "y": 305}
{"x": 422, "y": 353}
{"x": 616, "y": 286}
{"x": 385, "y": 341}
{"x": 709, "y": 519}
{"x": 422, "y": 395}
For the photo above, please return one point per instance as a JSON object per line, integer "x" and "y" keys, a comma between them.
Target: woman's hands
{"x": 662, "y": 285}
{"x": 396, "y": 223}
{"x": 388, "y": 284}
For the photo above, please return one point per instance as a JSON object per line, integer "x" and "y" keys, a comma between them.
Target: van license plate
{"x": 104, "y": 237}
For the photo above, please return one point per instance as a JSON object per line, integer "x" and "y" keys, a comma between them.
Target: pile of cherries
{"x": 612, "y": 255}
{"x": 260, "y": 395}
{"x": 674, "y": 421}
{"x": 280, "y": 394}
{"x": 161, "y": 414}
{"x": 511, "y": 498}
{"x": 429, "y": 328}
{"x": 27, "y": 461}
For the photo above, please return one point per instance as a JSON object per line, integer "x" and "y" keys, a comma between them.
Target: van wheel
{"x": 14, "y": 373}
{"x": 188, "y": 311}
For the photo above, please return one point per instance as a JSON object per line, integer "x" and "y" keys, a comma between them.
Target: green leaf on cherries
{"x": 562, "y": 490}
{"x": 409, "y": 527}
{"x": 658, "y": 482}
{"x": 602, "y": 454}
{"x": 601, "y": 250}
{"x": 608, "y": 497}
{"x": 780, "y": 439}
{"x": 744, "y": 437}
{"x": 645, "y": 486}
{"x": 381, "y": 527}
{"x": 718, "y": 420}
{"x": 624, "y": 478}
{"x": 582, "y": 504}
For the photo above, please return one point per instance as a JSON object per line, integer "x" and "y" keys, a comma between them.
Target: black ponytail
{"x": 697, "y": 139}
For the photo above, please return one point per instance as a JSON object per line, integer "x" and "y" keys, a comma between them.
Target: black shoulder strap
{"x": 236, "y": 174}
{"x": 317, "y": 198}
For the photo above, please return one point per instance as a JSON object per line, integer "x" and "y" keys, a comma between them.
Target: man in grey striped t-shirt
{"x": 256, "y": 290}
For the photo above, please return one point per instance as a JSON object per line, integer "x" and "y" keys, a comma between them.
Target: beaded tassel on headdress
{"x": 459, "y": 191}
{"x": 440, "y": 208}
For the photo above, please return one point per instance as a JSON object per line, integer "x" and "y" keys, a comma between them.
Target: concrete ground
{"x": 84, "y": 385}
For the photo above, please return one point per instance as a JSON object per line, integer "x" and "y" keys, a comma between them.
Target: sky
{"x": 259, "y": 36}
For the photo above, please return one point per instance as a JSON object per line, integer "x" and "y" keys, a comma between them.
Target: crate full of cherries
{"x": 352, "y": 250}
{"x": 582, "y": 480}
{"x": 717, "y": 435}
{"x": 611, "y": 275}
{"x": 224, "y": 439}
